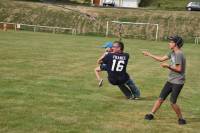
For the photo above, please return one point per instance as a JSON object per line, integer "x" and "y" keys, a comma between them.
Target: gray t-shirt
{"x": 177, "y": 59}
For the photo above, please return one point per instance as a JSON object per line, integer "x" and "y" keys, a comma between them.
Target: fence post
{"x": 74, "y": 31}
{"x": 4, "y": 27}
{"x": 54, "y": 30}
{"x": 15, "y": 27}
{"x": 157, "y": 28}
{"x": 34, "y": 28}
{"x": 107, "y": 26}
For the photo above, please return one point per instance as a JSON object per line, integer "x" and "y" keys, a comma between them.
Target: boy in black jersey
{"x": 116, "y": 68}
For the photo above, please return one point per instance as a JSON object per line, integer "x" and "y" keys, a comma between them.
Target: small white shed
{"x": 118, "y": 3}
{"x": 127, "y": 3}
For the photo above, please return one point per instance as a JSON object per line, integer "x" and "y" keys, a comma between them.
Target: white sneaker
{"x": 101, "y": 83}
{"x": 137, "y": 98}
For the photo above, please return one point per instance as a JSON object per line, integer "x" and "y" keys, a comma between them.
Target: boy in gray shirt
{"x": 176, "y": 78}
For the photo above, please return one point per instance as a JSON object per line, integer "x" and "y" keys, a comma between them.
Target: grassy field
{"x": 47, "y": 85}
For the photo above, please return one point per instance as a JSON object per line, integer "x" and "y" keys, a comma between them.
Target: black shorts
{"x": 174, "y": 89}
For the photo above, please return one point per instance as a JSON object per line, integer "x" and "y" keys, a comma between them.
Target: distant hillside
{"x": 165, "y": 4}
{"x": 155, "y": 4}
{"x": 61, "y": 1}
{"x": 184, "y": 23}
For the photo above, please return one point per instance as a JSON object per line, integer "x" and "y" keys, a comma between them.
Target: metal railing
{"x": 36, "y": 28}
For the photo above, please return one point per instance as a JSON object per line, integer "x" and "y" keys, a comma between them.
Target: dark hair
{"x": 177, "y": 40}
{"x": 120, "y": 44}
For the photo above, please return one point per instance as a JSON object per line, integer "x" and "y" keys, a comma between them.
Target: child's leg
{"x": 97, "y": 71}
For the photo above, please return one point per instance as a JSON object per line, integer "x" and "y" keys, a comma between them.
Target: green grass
{"x": 47, "y": 85}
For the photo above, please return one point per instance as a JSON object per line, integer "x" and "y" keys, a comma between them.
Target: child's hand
{"x": 106, "y": 49}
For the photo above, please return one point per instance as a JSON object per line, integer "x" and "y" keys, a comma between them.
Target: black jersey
{"x": 116, "y": 67}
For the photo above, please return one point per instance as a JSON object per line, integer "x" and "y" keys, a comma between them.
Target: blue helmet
{"x": 107, "y": 45}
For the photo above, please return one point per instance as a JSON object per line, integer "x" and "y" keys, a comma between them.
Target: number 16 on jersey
{"x": 117, "y": 65}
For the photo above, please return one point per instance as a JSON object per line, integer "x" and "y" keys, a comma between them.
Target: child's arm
{"x": 99, "y": 61}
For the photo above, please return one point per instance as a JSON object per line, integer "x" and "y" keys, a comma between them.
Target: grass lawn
{"x": 47, "y": 85}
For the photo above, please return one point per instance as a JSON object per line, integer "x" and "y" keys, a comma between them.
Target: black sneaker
{"x": 181, "y": 121}
{"x": 149, "y": 117}
{"x": 100, "y": 82}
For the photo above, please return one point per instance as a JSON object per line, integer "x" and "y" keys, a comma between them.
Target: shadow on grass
{"x": 149, "y": 98}
{"x": 193, "y": 120}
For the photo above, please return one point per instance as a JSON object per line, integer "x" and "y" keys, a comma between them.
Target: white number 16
{"x": 119, "y": 67}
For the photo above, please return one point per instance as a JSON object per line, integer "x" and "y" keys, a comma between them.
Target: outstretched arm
{"x": 157, "y": 58}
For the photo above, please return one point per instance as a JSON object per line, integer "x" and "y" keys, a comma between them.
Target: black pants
{"x": 174, "y": 89}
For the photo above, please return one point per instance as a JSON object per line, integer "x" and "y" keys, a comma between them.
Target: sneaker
{"x": 149, "y": 117}
{"x": 137, "y": 98}
{"x": 101, "y": 83}
{"x": 181, "y": 121}
{"x": 134, "y": 98}
{"x": 131, "y": 98}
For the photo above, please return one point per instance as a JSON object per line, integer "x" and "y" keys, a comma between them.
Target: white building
{"x": 118, "y": 3}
